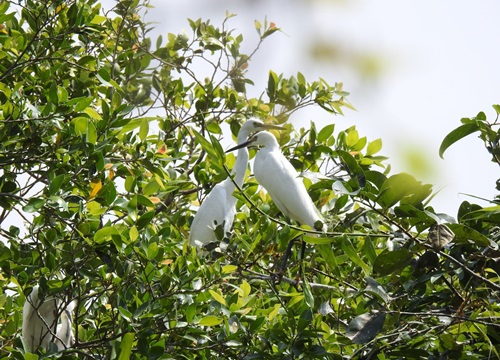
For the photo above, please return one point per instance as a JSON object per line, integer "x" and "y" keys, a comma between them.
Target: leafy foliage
{"x": 110, "y": 140}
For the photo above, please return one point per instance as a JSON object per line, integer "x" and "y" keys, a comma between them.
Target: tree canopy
{"x": 110, "y": 140}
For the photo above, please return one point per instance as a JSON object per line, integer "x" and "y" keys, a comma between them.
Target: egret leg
{"x": 287, "y": 255}
{"x": 302, "y": 255}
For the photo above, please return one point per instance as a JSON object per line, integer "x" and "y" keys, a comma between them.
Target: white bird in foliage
{"x": 219, "y": 206}
{"x": 40, "y": 323}
{"x": 278, "y": 176}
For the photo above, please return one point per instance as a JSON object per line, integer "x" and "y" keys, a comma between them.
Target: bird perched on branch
{"x": 278, "y": 176}
{"x": 43, "y": 322}
{"x": 219, "y": 206}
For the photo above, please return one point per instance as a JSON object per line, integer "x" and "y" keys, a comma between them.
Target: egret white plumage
{"x": 278, "y": 176}
{"x": 40, "y": 322}
{"x": 219, "y": 206}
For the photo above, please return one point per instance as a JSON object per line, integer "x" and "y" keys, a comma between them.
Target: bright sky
{"x": 439, "y": 64}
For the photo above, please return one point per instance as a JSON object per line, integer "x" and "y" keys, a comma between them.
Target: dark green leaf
{"x": 465, "y": 234}
{"x": 206, "y": 145}
{"x": 388, "y": 262}
{"x": 34, "y": 205}
{"x": 457, "y": 134}
{"x": 351, "y": 252}
{"x": 329, "y": 257}
{"x": 56, "y": 183}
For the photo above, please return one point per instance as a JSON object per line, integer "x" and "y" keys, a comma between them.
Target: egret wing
{"x": 275, "y": 173}
{"x": 218, "y": 207}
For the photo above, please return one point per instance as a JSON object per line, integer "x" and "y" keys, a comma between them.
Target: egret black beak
{"x": 249, "y": 142}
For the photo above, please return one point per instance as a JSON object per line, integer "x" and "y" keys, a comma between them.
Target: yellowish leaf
{"x": 218, "y": 297}
{"x": 227, "y": 269}
{"x": 95, "y": 185}
{"x": 133, "y": 233}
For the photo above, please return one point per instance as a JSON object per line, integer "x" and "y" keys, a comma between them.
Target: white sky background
{"x": 441, "y": 62}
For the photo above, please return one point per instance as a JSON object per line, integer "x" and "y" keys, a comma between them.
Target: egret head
{"x": 252, "y": 126}
{"x": 263, "y": 138}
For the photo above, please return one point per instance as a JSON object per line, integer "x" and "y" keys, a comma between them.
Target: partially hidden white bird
{"x": 278, "y": 176}
{"x": 41, "y": 325}
{"x": 219, "y": 207}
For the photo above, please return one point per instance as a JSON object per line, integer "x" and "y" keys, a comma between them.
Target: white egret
{"x": 278, "y": 176}
{"x": 40, "y": 323}
{"x": 219, "y": 206}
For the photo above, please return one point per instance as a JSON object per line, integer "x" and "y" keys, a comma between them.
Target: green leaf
{"x": 152, "y": 187}
{"x": 228, "y": 269}
{"x": 374, "y": 147}
{"x": 328, "y": 256}
{"x": 132, "y": 125}
{"x": 352, "y": 138}
{"x": 465, "y": 234}
{"x": 98, "y": 19}
{"x": 81, "y": 103}
{"x": 33, "y": 205}
{"x": 372, "y": 286}
{"x": 91, "y": 133}
{"x": 126, "y": 346}
{"x": 105, "y": 234}
{"x": 457, "y": 134}
{"x": 152, "y": 250}
{"x": 351, "y": 252}
{"x": 217, "y": 297}
{"x": 127, "y": 315}
{"x": 206, "y": 145}
{"x": 396, "y": 188}
{"x": 375, "y": 177}
{"x": 308, "y": 296}
{"x": 326, "y": 132}
{"x": 85, "y": 127}
{"x": 145, "y": 219}
{"x": 92, "y": 113}
{"x": 354, "y": 169}
{"x": 80, "y": 124}
{"x": 317, "y": 240}
{"x": 272, "y": 84}
{"x": 210, "y": 320}
{"x": 56, "y": 183}
{"x": 144, "y": 129}
{"x": 388, "y": 262}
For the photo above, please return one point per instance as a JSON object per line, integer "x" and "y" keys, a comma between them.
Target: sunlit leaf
{"x": 217, "y": 297}
{"x": 210, "y": 320}
{"x": 126, "y": 346}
